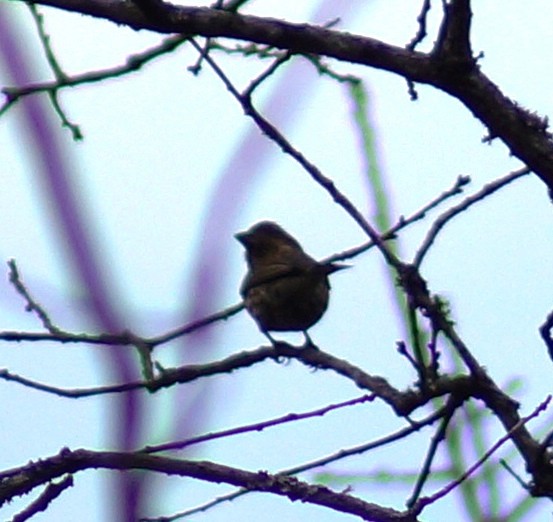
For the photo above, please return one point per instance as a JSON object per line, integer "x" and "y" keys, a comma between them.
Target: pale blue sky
{"x": 157, "y": 143}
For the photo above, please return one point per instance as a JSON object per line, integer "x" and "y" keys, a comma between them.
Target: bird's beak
{"x": 242, "y": 237}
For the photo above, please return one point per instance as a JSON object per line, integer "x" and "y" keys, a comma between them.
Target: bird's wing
{"x": 268, "y": 274}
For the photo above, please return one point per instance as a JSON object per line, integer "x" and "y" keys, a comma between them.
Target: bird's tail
{"x": 330, "y": 268}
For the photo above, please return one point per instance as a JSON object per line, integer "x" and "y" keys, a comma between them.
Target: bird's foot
{"x": 309, "y": 343}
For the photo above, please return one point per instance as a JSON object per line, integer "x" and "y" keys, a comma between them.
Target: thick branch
{"x": 454, "y": 37}
{"x": 523, "y": 132}
{"x": 22, "y": 480}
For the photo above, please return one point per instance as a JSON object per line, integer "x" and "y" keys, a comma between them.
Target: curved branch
{"x": 524, "y": 133}
{"x": 22, "y": 480}
{"x": 133, "y": 63}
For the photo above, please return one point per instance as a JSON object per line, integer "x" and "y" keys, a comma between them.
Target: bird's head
{"x": 266, "y": 238}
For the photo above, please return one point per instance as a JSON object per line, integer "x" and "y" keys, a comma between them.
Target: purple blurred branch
{"x": 53, "y": 171}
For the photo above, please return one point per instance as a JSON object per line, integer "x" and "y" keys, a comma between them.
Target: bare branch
{"x": 277, "y": 137}
{"x": 402, "y": 402}
{"x": 124, "y": 338}
{"x": 6, "y": 375}
{"x": 414, "y": 285}
{"x": 52, "y": 491}
{"x": 168, "y": 377}
{"x": 438, "y": 437}
{"x": 323, "y": 461}
{"x": 258, "y": 426}
{"x": 425, "y": 501}
{"x": 133, "y": 63}
{"x": 524, "y": 133}
{"x": 223, "y": 315}
{"x": 45, "y": 41}
{"x": 486, "y": 191}
{"x": 32, "y": 305}
{"x": 404, "y": 222}
{"x": 421, "y": 19}
{"x": 22, "y": 480}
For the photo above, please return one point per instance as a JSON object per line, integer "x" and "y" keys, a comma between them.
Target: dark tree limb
{"x": 23, "y": 480}
{"x": 454, "y": 37}
{"x": 523, "y": 132}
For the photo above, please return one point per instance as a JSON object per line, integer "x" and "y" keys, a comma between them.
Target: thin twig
{"x": 250, "y": 49}
{"x": 62, "y": 337}
{"x": 6, "y": 375}
{"x": 325, "y": 70}
{"x": 402, "y": 402}
{"x": 32, "y": 305}
{"x": 425, "y": 501}
{"x": 123, "y": 338}
{"x": 442, "y": 220}
{"x": 258, "y": 426}
{"x": 402, "y": 433}
{"x": 56, "y": 69}
{"x": 52, "y": 491}
{"x": 438, "y": 437}
{"x": 133, "y": 63}
{"x": 515, "y": 475}
{"x": 401, "y": 348}
{"x": 255, "y": 83}
{"x": 45, "y": 41}
{"x": 418, "y": 38}
{"x": 421, "y": 32}
{"x": 342, "y": 454}
{"x": 326, "y": 183}
{"x": 73, "y": 127}
{"x": 127, "y": 339}
{"x": 223, "y": 315}
{"x": 419, "y": 354}
{"x": 403, "y": 222}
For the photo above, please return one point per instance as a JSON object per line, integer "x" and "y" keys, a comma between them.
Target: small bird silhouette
{"x": 284, "y": 288}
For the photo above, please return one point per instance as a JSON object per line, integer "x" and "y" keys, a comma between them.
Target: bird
{"x": 284, "y": 289}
